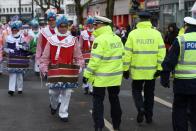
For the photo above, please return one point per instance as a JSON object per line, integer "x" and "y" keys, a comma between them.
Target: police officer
{"x": 144, "y": 53}
{"x": 182, "y": 59}
{"x": 104, "y": 71}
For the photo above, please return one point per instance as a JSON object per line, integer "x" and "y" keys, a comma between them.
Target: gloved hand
{"x": 157, "y": 73}
{"x": 18, "y": 47}
{"x": 84, "y": 80}
{"x": 11, "y": 51}
{"x": 126, "y": 74}
{"x": 165, "y": 75}
{"x": 80, "y": 70}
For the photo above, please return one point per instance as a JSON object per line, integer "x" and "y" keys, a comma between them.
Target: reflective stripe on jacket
{"x": 186, "y": 67}
{"x": 105, "y": 67}
{"x": 144, "y": 52}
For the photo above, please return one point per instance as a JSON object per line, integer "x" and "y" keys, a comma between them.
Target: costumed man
{"x": 104, "y": 71}
{"x": 33, "y": 43}
{"x": 86, "y": 41}
{"x": 62, "y": 59}
{"x": 144, "y": 53}
{"x": 18, "y": 60}
{"x": 45, "y": 33}
{"x": 182, "y": 60}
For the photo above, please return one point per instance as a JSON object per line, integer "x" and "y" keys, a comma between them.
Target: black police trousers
{"x": 147, "y": 102}
{"x": 98, "y": 106}
{"x": 183, "y": 112}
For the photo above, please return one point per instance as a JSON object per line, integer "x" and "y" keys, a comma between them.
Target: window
{"x": 25, "y": 9}
{"x": 0, "y": 10}
{"x": 21, "y": 9}
{"x": 188, "y": 6}
{"x": 3, "y": 10}
{"x": 29, "y": 9}
{"x": 7, "y": 10}
{"x": 11, "y": 10}
{"x": 70, "y": 9}
{"x": 14, "y": 9}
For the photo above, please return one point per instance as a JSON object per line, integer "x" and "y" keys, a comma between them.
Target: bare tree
{"x": 79, "y": 8}
{"x": 110, "y": 9}
{"x": 55, "y": 3}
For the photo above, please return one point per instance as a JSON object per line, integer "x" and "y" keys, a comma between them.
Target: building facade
{"x": 153, "y": 6}
{"x": 121, "y": 11}
{"x": 174, "y": 11}
{"x": 69, "y": 9}
{"x": 10, "y": 8}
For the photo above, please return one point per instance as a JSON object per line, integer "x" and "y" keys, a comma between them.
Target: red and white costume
{"x": 86, "y": 41}
{"x": 45, "y": 33}
{"x": 62, "y": 59}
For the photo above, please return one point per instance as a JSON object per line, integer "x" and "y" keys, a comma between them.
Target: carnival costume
{"x": 62, "y": 60}
{"x": 33, "y": 43}
{"x": 86, "y": 41}
{"x": 45, "y": 33}
{"x": 18, "y": 60}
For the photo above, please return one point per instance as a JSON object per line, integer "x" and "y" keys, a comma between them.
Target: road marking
{"x": 159, "y": 100}
{"x": 108, "y": 125}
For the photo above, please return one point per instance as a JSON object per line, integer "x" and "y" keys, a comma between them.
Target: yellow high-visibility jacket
{"x": 144, "y": 52}
{"x": 105, "y": 67}
{"x": 186, "y": 67}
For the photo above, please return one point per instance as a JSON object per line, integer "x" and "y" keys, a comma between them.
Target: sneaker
{"x": 11, "y": 93}
{"x": 140, "y": 116}
{"x": 64, "y": 119}
{"x": 52, "y": 111}
{"x": 19, "y": 92}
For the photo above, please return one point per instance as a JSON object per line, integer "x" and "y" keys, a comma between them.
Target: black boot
{"x": 11, "y": 93}
{"x": 85, "y": 91}
{"x": 64, "y": 119}
{"x": 148, "y": 119}
{"x": 52, "y": 111}
{"x": 19, "y": 92}
{"x": 140, "y": 116}
{"x": 98, "y": 129}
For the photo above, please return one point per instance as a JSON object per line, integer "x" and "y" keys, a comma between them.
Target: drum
{"x": 18, "y": 61}
{"x": 63, "y": 73}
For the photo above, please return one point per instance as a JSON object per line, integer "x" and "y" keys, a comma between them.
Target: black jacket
{"x": 180, "y": 86}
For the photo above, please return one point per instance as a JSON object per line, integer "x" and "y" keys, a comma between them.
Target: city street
{"x": 30, "y": 111}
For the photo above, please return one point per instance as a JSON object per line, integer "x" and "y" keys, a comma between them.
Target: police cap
{"x": 144, "y": 14}
{"x": 101, "y": 20}
{"x": 190, "y": 20}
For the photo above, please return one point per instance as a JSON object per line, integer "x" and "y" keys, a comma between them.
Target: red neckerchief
{"x": 52, "y": 30}
{"x": 61, "y": 37}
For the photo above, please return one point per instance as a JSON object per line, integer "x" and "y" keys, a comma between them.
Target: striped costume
{"x": 60, "y": 59}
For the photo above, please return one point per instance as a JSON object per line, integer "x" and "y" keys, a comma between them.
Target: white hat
{"x": 190, "y": 20}
{"x": 101, "y": 20}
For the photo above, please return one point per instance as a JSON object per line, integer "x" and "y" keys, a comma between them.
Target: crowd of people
{"x": 60, "y": 52}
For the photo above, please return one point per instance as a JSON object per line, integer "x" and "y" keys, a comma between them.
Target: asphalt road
{"x": 30, "y": 111}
